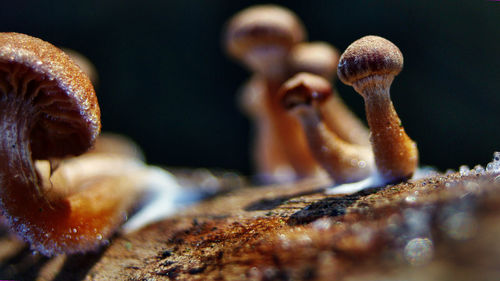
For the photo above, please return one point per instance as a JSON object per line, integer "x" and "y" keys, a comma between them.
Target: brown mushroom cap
{"x": 84, "y": 63}
{"x": 265, "y": 27}
{"x": 368, "y": 56}
{"x": 303, "y": 89}
{"x": 68, "y": 117}
{"x": 319, "y": 58}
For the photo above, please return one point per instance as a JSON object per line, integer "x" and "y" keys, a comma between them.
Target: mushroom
{"x": 370, "y": 65}
{"x": 270, "y": 161}
{"x": 84, "y": 63}
{"x": 302, "y": 95}
{"x": 261, "y": 37}
{"x": 110, "y": 143}
{"x": 321, "y": 58}
{"x": 48, "y": 110}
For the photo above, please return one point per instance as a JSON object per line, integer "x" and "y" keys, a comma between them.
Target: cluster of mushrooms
{"x": 64, "y": 190}
{"x": 303, "y": 129}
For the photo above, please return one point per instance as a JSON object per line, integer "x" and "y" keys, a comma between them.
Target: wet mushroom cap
{"x": 67, "y": 116}
{"x": 314, "y": 57}
{"x": 262, "y": 25}
{"x": 368, "y": 56}
{"x": 304, "y": 88}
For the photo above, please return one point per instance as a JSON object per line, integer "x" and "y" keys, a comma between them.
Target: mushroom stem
{"x": 269, "y": 158}
{"x": 48, "y": 111}
{"x": 302, "y": 96}
{"x": 292, "y": 137}
{"x": 397, "y": 161}
{"x": 344, "y": 162}
{"x": 261, "y": 37}
{"x": 321, "y": 58}
{"x": 369, "y": 65}
{"x": 48, "y": 219}
{"x": 344, "y": 122}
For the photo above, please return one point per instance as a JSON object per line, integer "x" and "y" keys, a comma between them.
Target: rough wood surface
{"x": 443, "y": 227}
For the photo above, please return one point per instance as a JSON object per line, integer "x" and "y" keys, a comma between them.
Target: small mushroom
{"x": 370, "y": 65}
{"x": 302, "y": 95}
{"x": 48, "y": 110}
{"x": 261, "y": 37}
{"x": 321, "y": 58}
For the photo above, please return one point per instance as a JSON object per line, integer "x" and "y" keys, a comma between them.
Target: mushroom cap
{"x": 367, "y": 56}
{"x": 304, "y": 89}
{"x": 84, "y": 63}
{"x": 264, "y": 27}
{"x": 318, "y": 58}
{"x": 67, "y": 119}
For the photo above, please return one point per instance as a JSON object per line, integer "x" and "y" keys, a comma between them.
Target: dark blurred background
{"x": 166, "y": 82}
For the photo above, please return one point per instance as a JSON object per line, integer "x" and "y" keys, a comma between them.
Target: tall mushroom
{"x": 261, "y": 37}
{"x": 302, "y": 96}
{"x": 369, "y": 65}
{"x": 48, "y": 109}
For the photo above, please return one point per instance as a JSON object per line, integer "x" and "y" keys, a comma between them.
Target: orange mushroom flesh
{"x": 321, "y": 58}
{"x": 261, "y": 37}
{"x": 302, "y": 95}
{"x": 370, "y": 65}
{"x": 268, "y": 157}
{"x": 48, "y": 110}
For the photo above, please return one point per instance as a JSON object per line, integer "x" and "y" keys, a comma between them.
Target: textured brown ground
{"x": 444, "y": 227}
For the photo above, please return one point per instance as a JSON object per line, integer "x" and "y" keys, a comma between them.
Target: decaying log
{"x": 442, "y": 227}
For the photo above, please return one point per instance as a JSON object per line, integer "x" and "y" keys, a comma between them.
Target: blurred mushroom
{"x": 261, "y": 37}
{"x": 110, "y": 143}
{"x": 48, "y": 110}
{"x": 302, "y": 95}
{"x": 321, "y": 58}
{"x": 267, "y": 154}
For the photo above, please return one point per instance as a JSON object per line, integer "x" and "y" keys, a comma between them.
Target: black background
{"x": 166, "y": 82}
